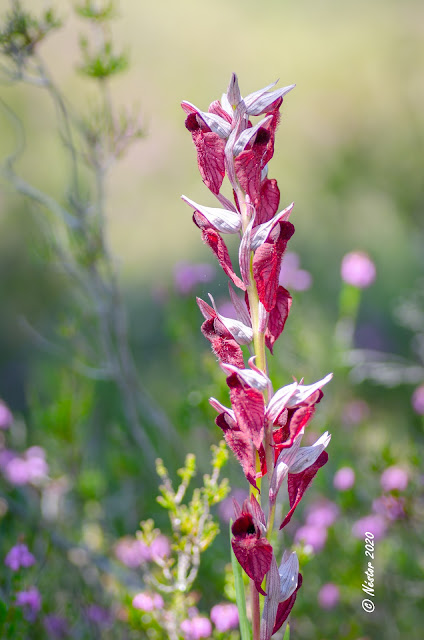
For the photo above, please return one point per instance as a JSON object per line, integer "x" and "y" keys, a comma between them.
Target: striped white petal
{"x": 223, "y": 220}
{"x": 289, "y": 572}
{"x": 306, "y": 456}
{"x": 252, "y": 378}
{"x": 241, "y": 333}
{"x": 303, "y": 392}
{"x": 262, "y": 102}
{"x": 246, "y": 136}
{"x": 279, "y": 401}
{"x": 262, "y": 231}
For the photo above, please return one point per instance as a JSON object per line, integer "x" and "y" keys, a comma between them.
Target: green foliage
{"x": 22, "y": 31}
{"x": 99, "y": 12}
{"x": 102, "y": 63}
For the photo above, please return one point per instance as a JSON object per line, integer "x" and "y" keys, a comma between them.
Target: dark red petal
{"x": 271, "y": 128}
{"x": 255, "y": 557}
{"x": 295, "y": 420}
{"x": 223, "y": 344}
{"x": 268, "y": 203}
{"x": 241, "y": 445}
{"x": 210, "y": 155}
{"x": 267, "y": 265}
{"x": 285, "y": 607}
{"x": 248, "y": 171}
{"x": 249, "y": 408}
{"x": 212, "y": 238}
{"x": 277, "y": 317}
{"x": 243, "y": 527}
{"x": 297, "y": 483}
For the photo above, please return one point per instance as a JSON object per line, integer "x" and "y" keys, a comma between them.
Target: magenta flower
{"x": 6, "y": 417}
{"x": 263, "y": 429}
{"x": 374, "y": 524}
{"x": 147, "y": 602}
{"x": 250, "y": 547}
{"x": 196, "y": 628}
{"x": 418, "y": 400}
{"x": 225, "y": 616}
{"x": 329, "y": 596}
{"x": 394, "y": 479}
{"x": 19, "y": 556}
{"x": 344, "y": 479}
{"x": 30, "y": 601}
{"x": 358, "y": 269}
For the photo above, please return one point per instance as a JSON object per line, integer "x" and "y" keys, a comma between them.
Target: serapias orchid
{"x": 263, "y": 429}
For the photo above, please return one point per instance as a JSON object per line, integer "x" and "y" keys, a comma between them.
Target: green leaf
{"x": 287, "y": 633}
{"x": 245, "y": 630}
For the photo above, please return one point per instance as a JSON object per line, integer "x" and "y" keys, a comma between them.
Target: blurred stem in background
{"x": 75, "y": 230}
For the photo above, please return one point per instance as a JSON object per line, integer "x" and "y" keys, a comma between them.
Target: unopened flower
{"x": 225, "y": 616}
{"x": 329, "y": 596}
{"x": 19, "y": 556}
{"x": 418, "y": 400}
{"x": 147, "y": 602}
{"x": 344, "y": 479}
{"x": 374, "y": 524}
{"x": 394, "y": 479}
{"x": 358, "y": 269}
{"x": 196, "y": 628}
{"x": 6, "y": 417}
{"x": 30, "y": 601}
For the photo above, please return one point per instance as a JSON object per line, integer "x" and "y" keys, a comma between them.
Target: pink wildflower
{"x": 291, "y": 276}
{"x": 344, "y": 479}
{"x": 329, "y": 596}
{"x": 358, "y": 269}
{"x": 147, "y": 602}
{"x": 374, "y": 524}
{"x": 196, "y": 628}
{"x": 394, "y": 479}
{"x": 312, "y": 536}
{"x": 132, "y": 552}
{"x": 225, "y": 616}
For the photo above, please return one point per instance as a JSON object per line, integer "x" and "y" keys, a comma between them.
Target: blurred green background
{"x": 350, "y": 153}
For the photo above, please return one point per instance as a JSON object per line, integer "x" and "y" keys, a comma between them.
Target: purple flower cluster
{"x": 6, "y": 417}
{"x": 225, "y": 616}
{"x": 358, "y": 269}
{"x": 19, "y": 556}
{"x": 196, "y": 628}
{"x": 30, "y": 601}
